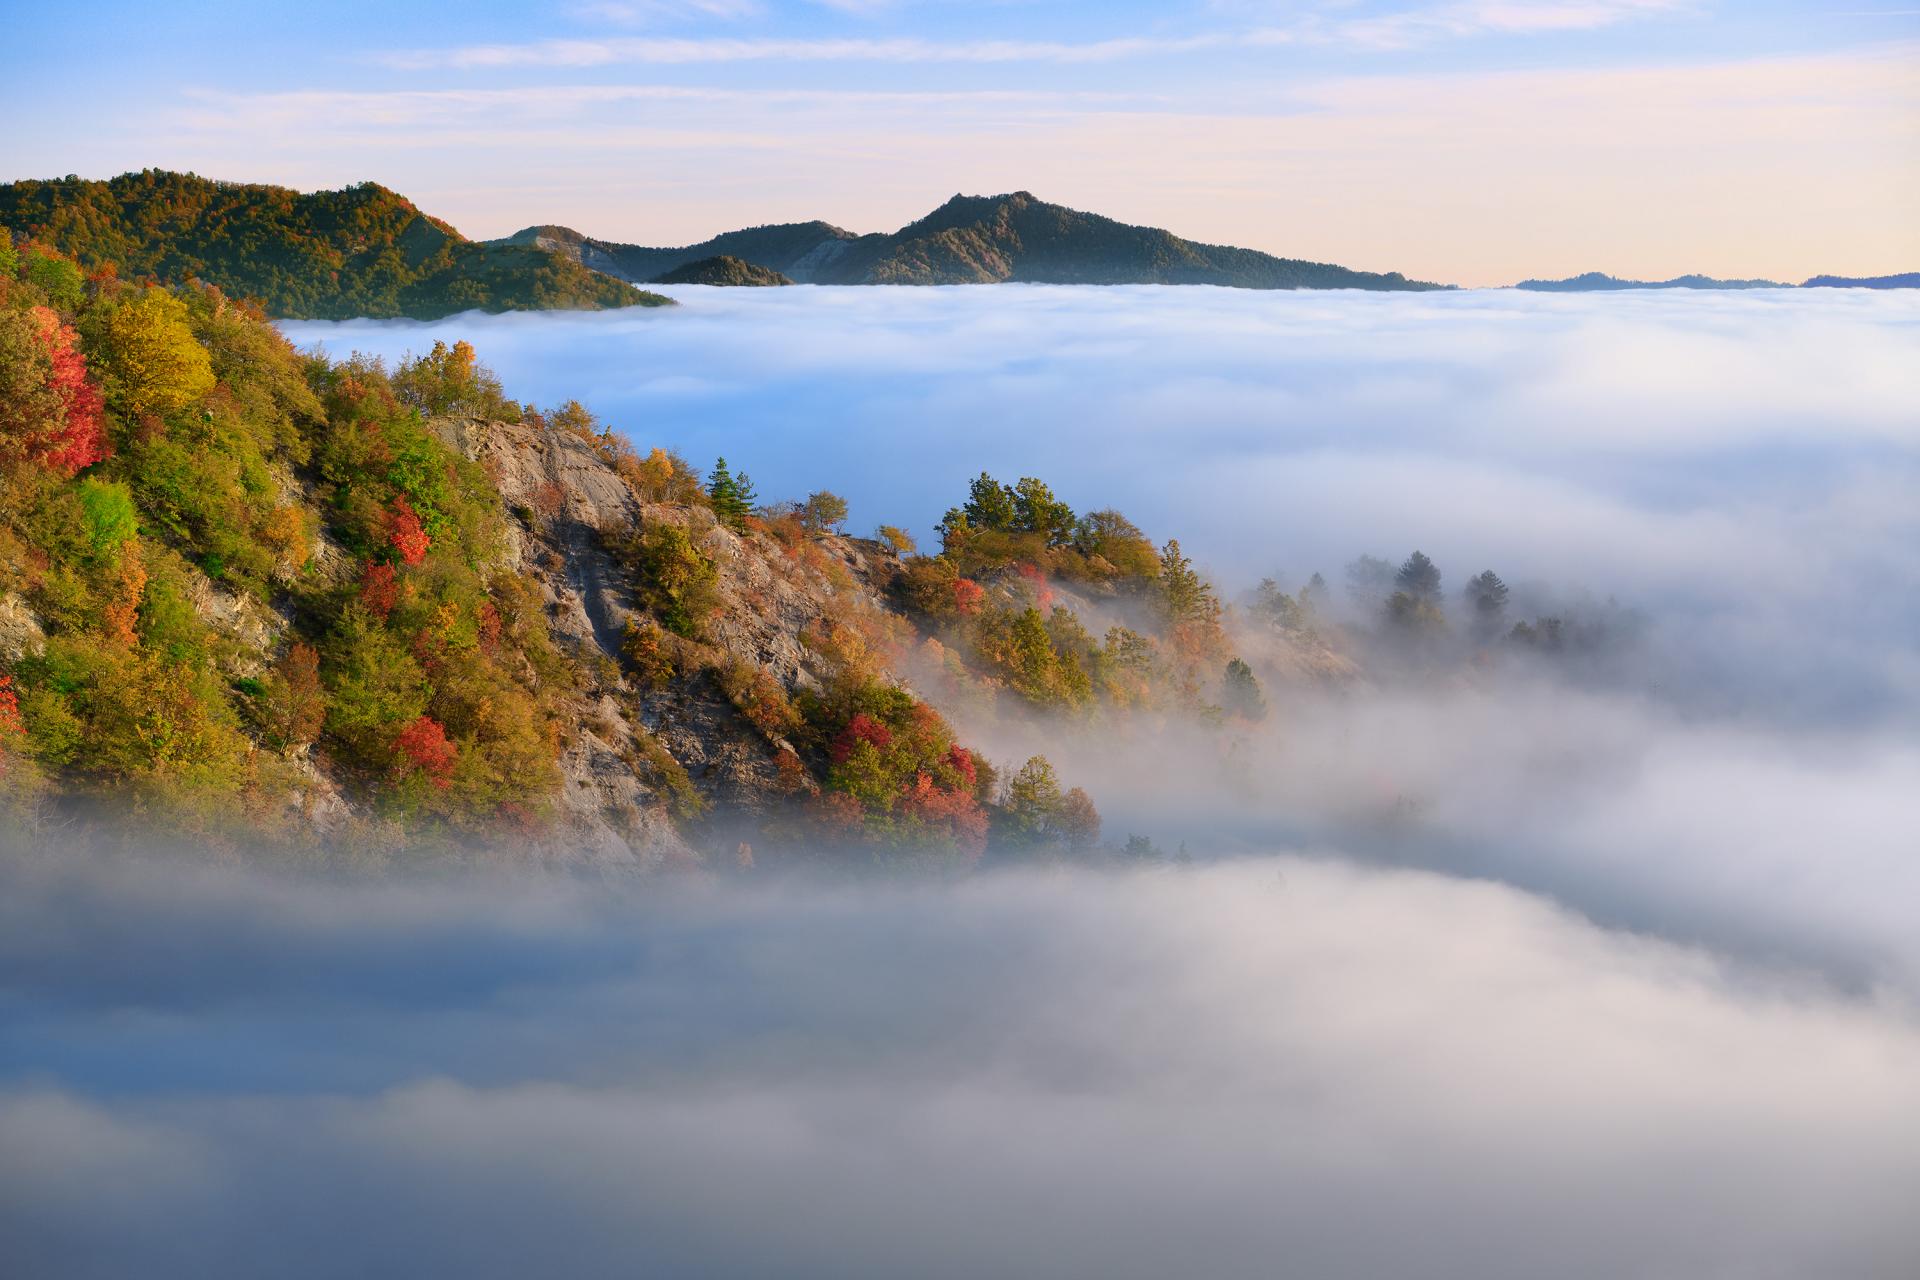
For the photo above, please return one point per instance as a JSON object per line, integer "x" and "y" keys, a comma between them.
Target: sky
{"x": 1471, "y": 141}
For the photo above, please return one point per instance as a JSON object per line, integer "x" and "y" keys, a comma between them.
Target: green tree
{"x": 1240, "y": 692}
{"x": 990, "y": 505}
{"x": 732, "y": 496}
{"x": 110, "y": 515}
{"x": 1487, "y": 596}
{"x": 57, "y": 277}
{"x": 1030, "y": 804}
{"x": 1037, "y": 511}
{"x": 1185, "y": 596}
{"x": 676, "y": 579}
{"x": 1419, "y": 577}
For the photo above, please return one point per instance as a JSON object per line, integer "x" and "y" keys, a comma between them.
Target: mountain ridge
{"x": 1010, "y": 238}
{"x": 1601, "y": 282}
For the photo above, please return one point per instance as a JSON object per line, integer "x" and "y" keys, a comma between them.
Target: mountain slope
{"x": 360, "y": 251}
{"x": 979, "y": 240}
{"x": 726, "y": 271}
{"x": 794, "y": 249}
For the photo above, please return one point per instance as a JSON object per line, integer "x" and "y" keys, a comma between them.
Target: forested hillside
{"x": 361, "y": 251}
{"x": 267, "y": 596}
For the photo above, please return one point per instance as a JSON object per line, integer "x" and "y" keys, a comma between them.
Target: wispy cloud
{"x": 632, "y": 50}
{"x": 646, "y": 13}
{"x": 1494, "y": 17}
{"x": 1394, "y": 30}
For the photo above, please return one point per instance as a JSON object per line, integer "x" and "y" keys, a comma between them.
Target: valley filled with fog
{"x": 1481, "y": 963}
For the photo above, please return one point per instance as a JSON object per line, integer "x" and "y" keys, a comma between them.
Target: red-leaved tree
{"x": 11, "y": 726}
{"x": 424, "y": 748}
{"x": 405, "y": 534}
{"x": 862, "y": 728}
{"x": 379, "y": 589}
{"x": 50, "y": 412}
{"x": 967, "y": 596}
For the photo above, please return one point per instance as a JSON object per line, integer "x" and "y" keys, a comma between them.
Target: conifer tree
{"x": 732, "y": 496}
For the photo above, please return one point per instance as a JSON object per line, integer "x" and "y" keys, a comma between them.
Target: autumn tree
{"x": 50, "y": 411}
{"x": 1035, "y": 814}
{"x": 405, "y": 534}
{"x": 423, "y": 749}
{"x": 293, "y": 702}
{"x": 823, "y": 511}
{"x": 445, "y": 380}
{"x": 1106, "y": 535}
{"x": 150, "y": 359}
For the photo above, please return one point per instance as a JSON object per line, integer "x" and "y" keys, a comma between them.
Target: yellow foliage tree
{"x": 152, "y": 361}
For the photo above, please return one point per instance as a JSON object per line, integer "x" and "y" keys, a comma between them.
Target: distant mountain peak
{"x": 976, "y": 239}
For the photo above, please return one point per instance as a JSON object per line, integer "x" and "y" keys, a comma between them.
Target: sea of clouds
{"x": 1743, "y": 464}
{"x": 1277, "y": 1066}
{"x": 1607, "y": 969}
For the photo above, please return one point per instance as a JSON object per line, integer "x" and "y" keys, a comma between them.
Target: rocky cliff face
{"x": 649, "y": 756}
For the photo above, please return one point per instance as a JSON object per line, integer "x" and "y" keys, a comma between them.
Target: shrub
{"x": 676, "y": 579}
{"x": 111, "y": 519}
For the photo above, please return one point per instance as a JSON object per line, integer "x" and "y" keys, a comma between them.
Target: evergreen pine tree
{"x": 732, "y": 496}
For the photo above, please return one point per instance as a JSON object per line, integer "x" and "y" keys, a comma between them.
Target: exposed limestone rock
{"x": 20, "y": 631}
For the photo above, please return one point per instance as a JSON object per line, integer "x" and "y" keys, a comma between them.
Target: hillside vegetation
{"x": 332, "y": 255}
{"x": 724, "y": 270}
{"x": 260, "y": 594}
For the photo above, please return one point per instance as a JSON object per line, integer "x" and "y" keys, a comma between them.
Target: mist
{"x": 1470, "y": 963}
{"x": 1285, "y": 1063}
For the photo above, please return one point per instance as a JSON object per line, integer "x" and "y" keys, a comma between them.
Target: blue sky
{"x": 1470, "y": 140}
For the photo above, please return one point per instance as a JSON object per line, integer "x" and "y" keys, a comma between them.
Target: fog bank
{"x": 1286, "y": 1064}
